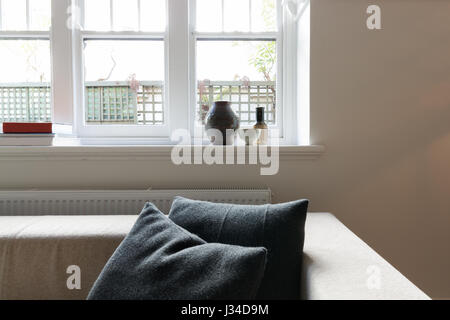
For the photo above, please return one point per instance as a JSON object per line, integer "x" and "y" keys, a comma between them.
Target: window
{"x": 25, "y": 79}
{"x": 124, "y": 81}
{"x": 237, "y": 49}
{"x": 144, "y": 68}
{"x": 123, "y": 62}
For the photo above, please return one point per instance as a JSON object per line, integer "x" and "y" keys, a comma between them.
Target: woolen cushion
{"x": 279, "y": 228}
{"x": 159, "y": 260}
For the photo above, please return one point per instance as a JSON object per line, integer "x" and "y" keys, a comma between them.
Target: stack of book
{"x": 26, "y": 134}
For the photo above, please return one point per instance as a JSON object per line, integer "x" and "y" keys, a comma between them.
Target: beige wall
{"x": 380, "y": 103}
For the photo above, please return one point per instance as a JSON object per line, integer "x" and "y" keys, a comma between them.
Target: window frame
{"x": 136, "y": 131}
{"x": 180, "y": 83}
{"x": 278, "y": 35}
{"x": 31, "y": 35}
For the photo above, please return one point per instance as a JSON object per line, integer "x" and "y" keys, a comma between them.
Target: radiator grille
{"x": 125, "y": 202}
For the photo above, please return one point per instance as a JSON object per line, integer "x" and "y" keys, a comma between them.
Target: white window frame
{"x": 32, "y": 35}
{"x": 135, "y": 131}
{"x": 180, "y": 78}
{"x": 280, "y": 80}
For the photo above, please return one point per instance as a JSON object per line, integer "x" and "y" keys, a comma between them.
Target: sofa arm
{"x": 35, "y": 253}
{"x": 339, "y": 265}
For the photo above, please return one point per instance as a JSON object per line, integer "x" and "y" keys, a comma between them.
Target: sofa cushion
{"x": 159, "y": 260}
{"x": 278, "y": 227}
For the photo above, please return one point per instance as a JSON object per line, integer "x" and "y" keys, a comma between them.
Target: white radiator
{"x": 125, "y": 202}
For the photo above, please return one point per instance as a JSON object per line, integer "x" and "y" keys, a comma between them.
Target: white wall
{"x": 380, "y": 103}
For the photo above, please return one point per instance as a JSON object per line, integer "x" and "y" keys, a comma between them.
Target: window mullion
{"x": 139, "y": 14}
{"x": 192, "y": 63}
{"x": 178, "y": 64}
{"x": 237, "y": 35}
{"x": 27, "y": 9}
{"x": 223, "y": 15}
{"x": 250, "y": 22}
{"x": 61, "y": 52}
{"x": 111, "y": 14}
{"x": 117, "y": 35}
{"x": 288, "y": 66}
{"x": 1, "y": 16}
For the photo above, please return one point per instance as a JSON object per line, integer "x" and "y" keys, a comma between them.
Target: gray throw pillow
{"x": 280, "y": 228}
{"x": 159, "y": 260}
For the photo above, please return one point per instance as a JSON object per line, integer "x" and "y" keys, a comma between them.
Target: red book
{"x": 26, "y": 127}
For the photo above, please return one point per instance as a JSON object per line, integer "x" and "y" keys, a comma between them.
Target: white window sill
{"x": 76, "y": 150}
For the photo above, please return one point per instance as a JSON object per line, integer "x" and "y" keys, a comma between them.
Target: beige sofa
{"x": 36, "y": 252}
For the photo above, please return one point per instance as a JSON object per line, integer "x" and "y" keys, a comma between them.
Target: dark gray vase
{"x": 221, "y": 117}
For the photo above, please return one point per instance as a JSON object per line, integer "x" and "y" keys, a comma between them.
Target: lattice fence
{"x": 25, "y": 103}
{"x": 118, "y": 103}
{"x": 245, "y": 98}
{"x": 150, "y": 108}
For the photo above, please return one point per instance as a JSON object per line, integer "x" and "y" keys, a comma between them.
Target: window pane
{"x": 153, "y": 15}
{"x": 40, "y": 15}
{"x": 14, "y": 15}
{"x": 124, "y": 82}
{"x": 264, "y": 15}
{"x": 97, "y": 15}
{"x": 243, "y": 72}
{"x": 209, "y": 15}
{"x": 125, "y": 15}
{"x": 236, "y": 15}
{"x": 229, "y": 60}
{"x": 25, "y": 81}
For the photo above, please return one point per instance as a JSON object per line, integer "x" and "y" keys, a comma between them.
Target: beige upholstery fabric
{"x": 339, "y": 265}
{"x": 36, "y": 251}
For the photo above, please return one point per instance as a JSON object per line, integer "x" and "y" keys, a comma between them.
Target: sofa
{"x": 39, "y": 256}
